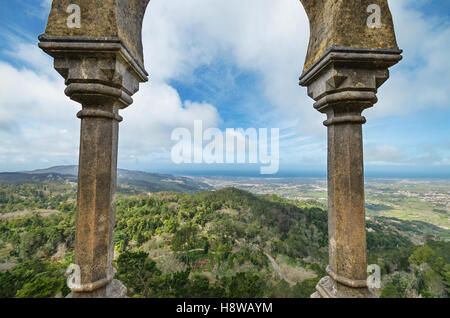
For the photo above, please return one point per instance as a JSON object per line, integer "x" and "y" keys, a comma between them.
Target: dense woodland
{"x": 208, "y": 244}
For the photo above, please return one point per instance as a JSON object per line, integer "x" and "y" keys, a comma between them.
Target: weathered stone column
{"x": 102, "y": 77}
{"x": 352, "y": 45}
{"x": 343, "y": 83}
{"x": 97, "y": 48}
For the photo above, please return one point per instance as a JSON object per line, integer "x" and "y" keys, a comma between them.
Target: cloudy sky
{"x": 231, "y": 64}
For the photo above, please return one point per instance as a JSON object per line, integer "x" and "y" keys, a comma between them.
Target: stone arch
{"x": 333, "y": 23}
{"x": 352, "y": 45}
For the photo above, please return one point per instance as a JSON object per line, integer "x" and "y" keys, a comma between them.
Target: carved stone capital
{"x": 97, "y": 72}
{"x": 345, "y": 81}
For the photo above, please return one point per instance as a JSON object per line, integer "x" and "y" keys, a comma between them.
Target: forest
{"x": 208, "y": 244}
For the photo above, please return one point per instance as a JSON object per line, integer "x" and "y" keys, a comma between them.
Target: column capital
{"x": 345, "y": 81}
{"x": 97, "y": 71}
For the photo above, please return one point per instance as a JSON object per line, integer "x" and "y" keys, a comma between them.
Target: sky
{"x": 231, "y": 64}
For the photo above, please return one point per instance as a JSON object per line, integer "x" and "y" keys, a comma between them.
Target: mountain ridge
{"x": 128, "y": 180}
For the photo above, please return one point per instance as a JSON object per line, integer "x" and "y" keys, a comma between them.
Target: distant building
{"x": 428, "y": 238}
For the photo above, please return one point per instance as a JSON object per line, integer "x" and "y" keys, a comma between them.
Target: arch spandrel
{"x": 343, "y": 23}
{"x": 111, "y": 19}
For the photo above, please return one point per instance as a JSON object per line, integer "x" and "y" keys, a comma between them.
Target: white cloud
{"x": 158, "y": 110}
{"x": 179, "y": 36}
{"x": 38, "y": 122}
{"x": 271, "y": 37}
{"x": 427, "y": 154}
{"x": 33, "y": 59}
{"x": 264, "y": 36}
{"x": 46, "y": 3}
{"x": 384, "y": 154}
{"x": 422, "y": 79}
{"x": 37, "y": 119}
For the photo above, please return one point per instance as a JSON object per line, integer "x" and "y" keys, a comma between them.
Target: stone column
{"x": 343, "y": 83}
{"x": 102, "y": 76}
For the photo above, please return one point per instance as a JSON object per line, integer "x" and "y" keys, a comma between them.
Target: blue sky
{"x": 232, "y": 64}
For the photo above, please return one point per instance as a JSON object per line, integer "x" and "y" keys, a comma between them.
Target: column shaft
{"x": 97, "y": 177}
{"x": 346, "y": 211}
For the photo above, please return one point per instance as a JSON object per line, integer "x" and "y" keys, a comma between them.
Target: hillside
{"x": 425, "y": 200}
{"x": 18, "y": 178}
{"x": 128, "y": 181}
{"x": 227, "y": 243}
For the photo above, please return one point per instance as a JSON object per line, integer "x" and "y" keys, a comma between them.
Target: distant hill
{"x": 128, "y": 181}
{"x": 64, "y": 170}
{"x": 17, "y": 178}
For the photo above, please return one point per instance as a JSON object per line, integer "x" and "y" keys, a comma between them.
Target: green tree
{"x": 41, "y": 287}
{"x": 435, "y": 287}
{"x": 422, "y": 255}
{"x": 199, "y": 287}
{"x": 390, "y": 291}
{"x": 306, "y": 288}
{"x": 138, "y": 272}
{"x": 245, "y": 285}
{"x": 184, "y": 238}
{"x": 447, "y": 277}
{"x": 34, "y": 278}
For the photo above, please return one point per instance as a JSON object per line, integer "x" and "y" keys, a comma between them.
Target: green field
{"x": 413, "y": 200}
{"x": 426, "y": 201}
